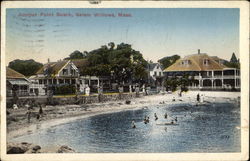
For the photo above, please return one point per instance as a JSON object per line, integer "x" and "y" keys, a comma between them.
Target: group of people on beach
{"x": 29, "y": 112}
{"x": 199, "y": 98}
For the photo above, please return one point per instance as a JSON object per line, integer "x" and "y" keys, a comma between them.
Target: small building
{"x": 207, "y": 73}
{"x": 16, "y": 83}
{"x": 93, "y": 82}
{"x": 155, "y": 74}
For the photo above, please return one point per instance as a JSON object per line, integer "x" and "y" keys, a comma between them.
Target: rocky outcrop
{"x": 24, "y": 147}
{"x": 20, "y": 148}
{"x": 65, "y": 149}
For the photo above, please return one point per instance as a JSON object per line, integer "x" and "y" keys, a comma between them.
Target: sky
{"x": 43, "y": 34}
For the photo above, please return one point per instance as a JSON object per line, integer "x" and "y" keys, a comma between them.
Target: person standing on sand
{"x": 28, "y": 115}
{"x": 198, "y": 97}
{"x": 202, "y": 99}
{"x": 40, "y": 109}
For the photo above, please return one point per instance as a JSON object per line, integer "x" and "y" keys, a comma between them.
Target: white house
{"x": 54, "y": 74}
{"x": 155, "y": 73}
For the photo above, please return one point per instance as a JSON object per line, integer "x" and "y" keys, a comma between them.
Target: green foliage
{"x": 167, "y": 61}
{"x": 171, "y": 83}
{"x": 232, "y": 65}
{"x": 122, "y": 63}
{"x": 233, "y": 59}
{"x": 25, "y": 67}
{"x": 65, "y": 89}
{"x": 175, "y": 82}
{"x": 77, "y": 55}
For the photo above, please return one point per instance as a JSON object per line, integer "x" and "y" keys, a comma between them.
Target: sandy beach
{"x": 53, "y": 115}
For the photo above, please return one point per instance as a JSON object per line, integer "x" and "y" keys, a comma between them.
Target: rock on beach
{"x": 27, "y": 148}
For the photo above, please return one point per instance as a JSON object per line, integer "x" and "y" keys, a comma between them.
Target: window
{"x": 40, "y": 81}
{"x": 61, "y": 81}
{"x": 185, "y": 62}
{"x": 54, "y": 81}
{"x": 65, "y": 72}
{"x": 67, "y": 81}
{"x": 50, "y": 81}
{"x": 206, "y": 62}
{"x": 155, "y": 73}
{"x": 159, "y": 73}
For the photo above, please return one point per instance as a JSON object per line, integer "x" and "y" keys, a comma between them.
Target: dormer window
{"x": 185, "y": 62}
{"x": 206, "y": 62}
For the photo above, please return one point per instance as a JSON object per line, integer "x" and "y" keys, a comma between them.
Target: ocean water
{"x": 209, "y": 128}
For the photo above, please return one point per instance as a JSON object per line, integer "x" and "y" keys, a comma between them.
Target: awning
{"x": 18, "y": 82}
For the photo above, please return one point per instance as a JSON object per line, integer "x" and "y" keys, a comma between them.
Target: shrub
{"x": 65, "y": 89}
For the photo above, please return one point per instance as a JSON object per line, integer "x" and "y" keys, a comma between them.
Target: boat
{"x": 168, "y": 123}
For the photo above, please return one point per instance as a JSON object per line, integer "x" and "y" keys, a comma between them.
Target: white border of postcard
{"x": 244, "y": 57}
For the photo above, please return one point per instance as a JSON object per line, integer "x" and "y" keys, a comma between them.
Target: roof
{"x": 151, "y": 66}
{"x": 217, "y": 59}
{"x": 18, "y": 81}
{"x": 80, "y": 63}
{"x": 195, "y": 63}
{"x": 10, "y": 73}
{"x": 55, "y": 67}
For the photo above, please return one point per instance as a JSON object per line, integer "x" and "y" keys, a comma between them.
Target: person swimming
{"x": 133, "y": 124}
{"x": 166, "y": 116}
{"x": 175, "y": 119}
{"x": 156, "y": 117}
{"x": 145, "y": 120}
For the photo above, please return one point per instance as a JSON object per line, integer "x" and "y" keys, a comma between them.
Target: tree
{"x": 25, "y": 67}
{"x": 111, "y": 45}
{"x": 76, "y": 55}
{"x": 233, "y": 63}
{"x": 125, "y": 63}
{"x": 233, "y": 59}
{"x": 182, "y": 82}
{"x": 169, "y": 60}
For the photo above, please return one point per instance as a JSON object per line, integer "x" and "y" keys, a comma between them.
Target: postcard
{"x": 112, "y": 80}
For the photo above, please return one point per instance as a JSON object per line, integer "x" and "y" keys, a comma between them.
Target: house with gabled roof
{"x": 53, "y": 74}
{"x": 16, "y": 83}
{"x": 155, "y": 74}
{"x": 208, "y": 72}
{"x": 64, "y": 72}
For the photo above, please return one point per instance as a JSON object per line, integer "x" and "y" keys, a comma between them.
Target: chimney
{"x": 198, "y": 51}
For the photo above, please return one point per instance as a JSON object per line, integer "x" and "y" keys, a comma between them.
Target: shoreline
{"x": 56, "y": 115}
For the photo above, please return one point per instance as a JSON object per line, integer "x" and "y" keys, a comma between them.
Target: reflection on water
{"x": 205, "y": 128}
